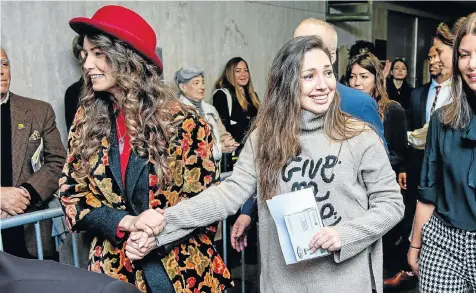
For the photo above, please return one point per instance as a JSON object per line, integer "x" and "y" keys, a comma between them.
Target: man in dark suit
{"x": 18, "y": 275}
{"x": 28, "y": 127}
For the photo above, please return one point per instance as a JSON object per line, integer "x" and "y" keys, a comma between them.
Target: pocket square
{"x": 37, "y": 160}
{"x": 35, "y": 135}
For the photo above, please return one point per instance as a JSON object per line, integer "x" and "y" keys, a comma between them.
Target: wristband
{"x": 414, "y": 247}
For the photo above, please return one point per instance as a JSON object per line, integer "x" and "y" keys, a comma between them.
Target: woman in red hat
{"x": 134, "y": 149}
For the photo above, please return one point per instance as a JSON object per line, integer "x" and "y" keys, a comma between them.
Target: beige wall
{"x": 37, "y": 38}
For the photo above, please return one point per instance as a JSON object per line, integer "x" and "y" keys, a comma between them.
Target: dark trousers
{"x": 395, "y": 242}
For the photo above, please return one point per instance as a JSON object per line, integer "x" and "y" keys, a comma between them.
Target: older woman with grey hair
{"x": 191, "y": 82}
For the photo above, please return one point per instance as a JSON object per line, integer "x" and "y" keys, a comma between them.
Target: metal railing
{"x": 38, "y": 216}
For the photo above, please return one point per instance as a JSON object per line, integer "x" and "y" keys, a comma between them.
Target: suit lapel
{"x": 114, "y": 158}
{"x": 423, "y": 100}
{"x": 134, "y": 171}
{"x": 21, "y": 128}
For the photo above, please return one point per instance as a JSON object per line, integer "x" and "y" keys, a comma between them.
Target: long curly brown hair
{"x": 147, "y": 102}
{"x": 278, "y": 121}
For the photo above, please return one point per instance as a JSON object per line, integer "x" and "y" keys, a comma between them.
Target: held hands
{"x": 150, "y": 221}
{"x": 139, "y": 245}
{"x": 327, "y": 238}
{"x": 143, "y": 229}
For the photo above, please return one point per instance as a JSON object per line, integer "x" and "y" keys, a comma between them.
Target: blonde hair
{"x": 445, "y": 34}
{"x": 227, "y": 79}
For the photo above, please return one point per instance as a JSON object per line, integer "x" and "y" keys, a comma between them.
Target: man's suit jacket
{"x": 28, "y": 116}
{"x": 18, "y": 275}
{"x": 362, "y": 106}
{"x": 416, "y": 115}
{"x": 416, "y": 118}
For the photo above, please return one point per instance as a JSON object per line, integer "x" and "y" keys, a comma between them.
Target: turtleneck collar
{"x": 310, "y": 121}
{"x": 196, "y": 104}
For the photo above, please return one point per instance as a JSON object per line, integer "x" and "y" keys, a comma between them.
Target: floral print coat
{"x": 98, "y": 202}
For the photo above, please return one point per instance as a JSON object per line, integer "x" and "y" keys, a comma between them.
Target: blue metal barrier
{"x": 29, "y": 218}
{"x": 38, "y": 216}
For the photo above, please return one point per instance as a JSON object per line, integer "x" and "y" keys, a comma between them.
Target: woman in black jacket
{"x": 365, "y": 73}
{"x": 398, "y": 88}
{"x": 235, "y": 99}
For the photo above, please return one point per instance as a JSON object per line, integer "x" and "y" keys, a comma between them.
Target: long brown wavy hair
{"x": 371, "y": 63}
{"x": 227, "y": 80}
{"x": 146, "y": 100}
{"x": 278, "y": 121}
{"x": 458, "y": 113}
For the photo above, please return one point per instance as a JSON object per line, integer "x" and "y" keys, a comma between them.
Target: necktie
{"x": 438, "y": 87}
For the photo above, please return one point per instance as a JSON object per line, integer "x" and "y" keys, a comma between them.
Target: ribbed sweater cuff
{"x": 176, "y": 227}
{"x": 348, "y": 249}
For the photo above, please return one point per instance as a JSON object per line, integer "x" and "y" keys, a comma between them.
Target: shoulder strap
{"x": 228, "y": 98}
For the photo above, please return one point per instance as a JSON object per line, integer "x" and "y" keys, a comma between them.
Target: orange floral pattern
{"x": 194, "y": 265}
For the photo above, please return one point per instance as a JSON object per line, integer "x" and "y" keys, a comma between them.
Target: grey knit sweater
{"x": 355, "y": 189}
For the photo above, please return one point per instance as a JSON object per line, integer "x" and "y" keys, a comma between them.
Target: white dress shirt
{"x": 444, "y": 96}
{"x": 6, "y": 99}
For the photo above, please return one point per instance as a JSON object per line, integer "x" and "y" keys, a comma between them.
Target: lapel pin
{"x": 21, "y": 126}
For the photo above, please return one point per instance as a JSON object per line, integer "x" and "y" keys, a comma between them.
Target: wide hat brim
{"x": 84, "y": 25}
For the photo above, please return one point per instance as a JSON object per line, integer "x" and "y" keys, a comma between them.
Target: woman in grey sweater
{"x": 302, "y": 139}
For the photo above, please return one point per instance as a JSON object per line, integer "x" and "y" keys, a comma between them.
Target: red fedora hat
{"x": 123, "y": 24}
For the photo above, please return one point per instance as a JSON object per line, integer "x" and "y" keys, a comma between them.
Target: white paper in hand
{"x": 287, "y": 204}
{"x": 302, "y": 226}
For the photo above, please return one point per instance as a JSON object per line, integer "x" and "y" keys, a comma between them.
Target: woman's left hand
{"x": 139, "y": 245}
{"x": 327, "y": 238}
